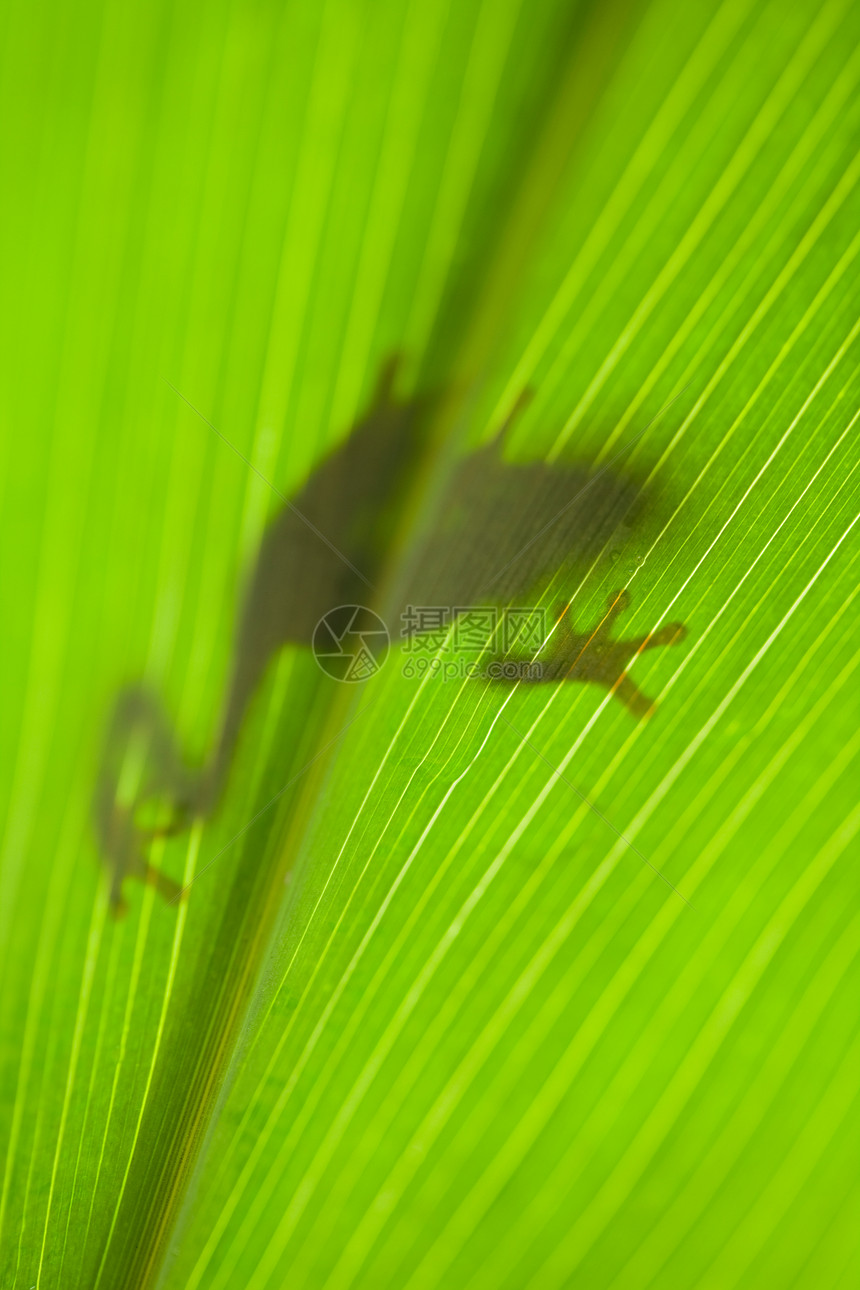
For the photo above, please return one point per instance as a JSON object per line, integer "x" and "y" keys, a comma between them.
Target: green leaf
{"x": 472, "y": 985}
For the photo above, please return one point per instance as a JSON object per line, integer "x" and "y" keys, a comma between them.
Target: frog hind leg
{"x": 164, "y": 885}
{"x": 139, "y": 728}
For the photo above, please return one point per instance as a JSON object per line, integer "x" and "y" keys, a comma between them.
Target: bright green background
{"x": 474, "y": 1041}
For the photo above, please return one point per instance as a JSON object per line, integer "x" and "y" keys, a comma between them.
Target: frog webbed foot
{"x": 144, "y": 791}
{"x": 594, "y": 655}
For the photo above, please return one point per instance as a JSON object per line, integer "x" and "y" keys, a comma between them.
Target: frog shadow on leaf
{"x": 497, "y": 530}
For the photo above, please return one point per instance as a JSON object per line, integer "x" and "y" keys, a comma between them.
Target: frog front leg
{"x": 594, "y": 656}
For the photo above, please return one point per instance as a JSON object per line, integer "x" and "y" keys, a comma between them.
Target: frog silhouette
{"x": 495, "y": 530}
